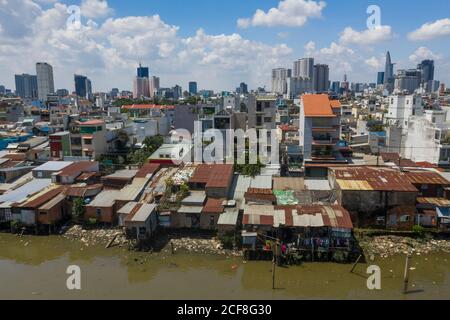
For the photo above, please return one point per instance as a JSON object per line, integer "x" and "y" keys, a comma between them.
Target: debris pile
{"x": 201, "y": 246}
{"x": 96, "y": 236}
{"x": 387, "y": 246}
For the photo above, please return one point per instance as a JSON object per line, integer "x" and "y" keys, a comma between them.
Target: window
{"x": 142, "y": 231}
{"x": 267, "y": 105}
{"x": 42, "y": 213}
{"x": 98, "y": 212}
{"x": 211, "y": 221}
{"x": 404, "y": 218}
{"x": 267, "y": 119}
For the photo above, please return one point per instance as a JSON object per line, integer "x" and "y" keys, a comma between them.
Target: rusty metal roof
{"x": 372, "y": 179}
{"x": 426, "y": 177}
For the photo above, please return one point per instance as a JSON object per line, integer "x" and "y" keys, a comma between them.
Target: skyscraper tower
{"x": 45, "y": 83}
{"x": 389, "y": 79}
{"x": 142, "y": 72}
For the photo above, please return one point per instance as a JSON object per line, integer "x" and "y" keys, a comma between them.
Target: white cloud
{"x": 289, "y": 13}
{"x": 423, "y": 53}
{"x": 339, "y": 58}
{"x": 95, "y": 8}
{"x": 431, "y": 30}
{"x": 366, "y": 37}
{"x": 108, "y": 51}
{"x": 375, "y": 63}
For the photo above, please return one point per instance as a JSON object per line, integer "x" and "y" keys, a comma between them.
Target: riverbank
{"x": 389, "y": 246}
{"x": 172, "y": 242}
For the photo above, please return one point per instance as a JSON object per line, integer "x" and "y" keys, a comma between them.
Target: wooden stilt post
{"x": 274, "y": 262}
{"x": 172, "y": 247}
{"x": 356, "y": 263}
{"x": 406, "y": 275}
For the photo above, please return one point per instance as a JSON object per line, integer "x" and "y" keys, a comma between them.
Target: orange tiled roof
{"x": 318, "y": 105}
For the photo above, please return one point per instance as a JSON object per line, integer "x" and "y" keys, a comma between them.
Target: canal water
{"x": 35, "y": 268}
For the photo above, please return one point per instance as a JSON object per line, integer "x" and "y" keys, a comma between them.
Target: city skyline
{"x": 241, "y": 47}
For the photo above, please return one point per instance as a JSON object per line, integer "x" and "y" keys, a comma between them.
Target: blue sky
{"x": 178, "y": 52}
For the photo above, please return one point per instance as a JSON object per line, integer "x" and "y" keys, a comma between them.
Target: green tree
{"x": 78, "y": 209}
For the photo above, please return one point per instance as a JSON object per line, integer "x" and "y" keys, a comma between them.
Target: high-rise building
{"x": 279, "y": 80}
{"x": 141, "y": 88}
{"x": 2, "y": 89}
{"x": 426, "y": 68}
{"x": 193, "y": 88}
{"x": 389, "y": 79}
{"x": 380, "y": 78}
{"x": 83, "y": 86}
{"x": 321, "y": 78}
{"x": 243, "y": 88}
{"x": 303, "y": 68}
{"x": 26, "y": 86}
{"x": 408, "y": 80}
{"x": 154, "y": 86}
{"x": 45, "y": 82}
{"x": 62, "y": 93}
{"x": 142, "y": 72}
{"x": 336, "y": 86}
{"x": 114, "y": 93}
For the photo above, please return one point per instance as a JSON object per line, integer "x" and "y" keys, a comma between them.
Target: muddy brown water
{"x": 35, "y": 268}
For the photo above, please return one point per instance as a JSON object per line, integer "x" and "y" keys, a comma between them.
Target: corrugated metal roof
{"x": 144, "y": 213}
{"x": 105, "y": 199}
{"x": 426, "y": 177}
{"x": 229, "y": 218}
{"x": 126, "y": 209}
{"x": 22, "y": 193}
{"x": 53, "y": 166}
{"x": 372, "y": 179}
{"x": 190, "y": 209}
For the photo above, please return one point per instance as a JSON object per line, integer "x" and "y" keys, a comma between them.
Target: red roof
{"x": 214, "y": 176}
{"x": 148, "y": 168}
{"x": 213, "y": 206}
{"x": 76, "y": 168}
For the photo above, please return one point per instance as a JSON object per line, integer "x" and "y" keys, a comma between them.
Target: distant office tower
{"x": 408, "y": 80}
{"x": 336, "y": 87}
{"x": 389, "y": 79}
{"x": 142, "y": 72}
{"x": 45, "y": 82}
{"x": 141, "y": 88}
{"x": 83, "y": 86}
{"x": 177, "y": 92}
{"x": 298, "y": 86}
{"x": 321, "y": 78}
{"x": 279, "y": 80}
{"x": 62, "y": 93}
{"x": 26, "y": 86}
{"x": 303, "y": 68}
{"x": 426, "y": 68}
{"x": 380, "y": 78}
{"x": 434, "y": 86}
{"x": 243, "y": 88}
{"x": 114, "y": 93}
{"x": 193, "y": 89}
{"x": 2, "y": 90}
{"x": 154, "y": 86}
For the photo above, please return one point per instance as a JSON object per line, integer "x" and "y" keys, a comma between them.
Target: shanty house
{"x": 370, "y": 189}
{"x": 104, "y": 207}
{"x": 215, "y": 179}
{"x": 142, "y": 223}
